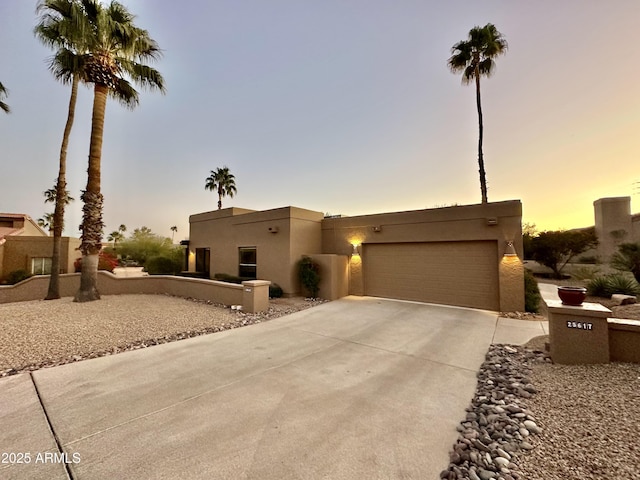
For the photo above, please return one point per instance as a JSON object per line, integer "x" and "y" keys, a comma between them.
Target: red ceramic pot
{"x": 572, "y": 295}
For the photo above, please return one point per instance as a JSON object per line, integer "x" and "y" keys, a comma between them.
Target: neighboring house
{"x": 614, "y": 225}
{"x": 453, "y": 255}
{"x": 26, "y": 246}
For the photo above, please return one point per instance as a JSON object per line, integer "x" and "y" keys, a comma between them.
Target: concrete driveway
{"x": 352, "y": 389}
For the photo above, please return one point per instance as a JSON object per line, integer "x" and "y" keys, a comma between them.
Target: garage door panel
{"x": 433, "y": 272}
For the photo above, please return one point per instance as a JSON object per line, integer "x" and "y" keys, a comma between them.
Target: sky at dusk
{"x": 345, "y": 107}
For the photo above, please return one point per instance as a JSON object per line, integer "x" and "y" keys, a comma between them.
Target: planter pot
{"x": 572, "y": 295}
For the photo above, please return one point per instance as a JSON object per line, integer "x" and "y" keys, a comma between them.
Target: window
{"x": 203, "y": 257}
{"x": 41, "y": 266}
{"x": 248, "y": 263}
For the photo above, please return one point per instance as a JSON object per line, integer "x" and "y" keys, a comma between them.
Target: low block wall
{"x": 254, "y": 296}
{"x": 624, "y": 340}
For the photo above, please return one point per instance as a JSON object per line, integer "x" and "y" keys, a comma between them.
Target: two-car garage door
{"x": 452, "y": 273}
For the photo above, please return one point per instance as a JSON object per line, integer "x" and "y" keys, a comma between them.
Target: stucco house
{"x": 462, "y": 255}
{"x": 26, "y": 246}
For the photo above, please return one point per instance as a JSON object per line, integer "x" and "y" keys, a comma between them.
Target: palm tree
{"x": 474, "y": 58}
{"x": 113, "y": 48}
{"x": 122, "y": 228}
{"x": 60, "y": 27}
{"x": 223, "y": 182}
{"x": 47, "y": 221}
{"x": 173, "y": 229}
{"x": 3, "y": 93}
{"x": 115, "y": 237}
{"x": 51, "y": 194}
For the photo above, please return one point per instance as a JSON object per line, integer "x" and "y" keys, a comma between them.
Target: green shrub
{"x": 162, "y": 265}
{"x": 17, "y": 276}
{"x": 607, "y": 285}
{"x": 225, "y": 277}
{"x": 584, "y": 273}
{"x": 623, "y": 284}
{"x": 275, "y": 291}
{"x": 531, "y": 293}
{"x": 599, "y": 286}
{"x": 309, "y": 274}
{"x": 592, "y": 259}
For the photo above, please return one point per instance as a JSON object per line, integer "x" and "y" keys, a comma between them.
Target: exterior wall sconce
{"x": 510, "y": 251}
{"x": 354, "y": 250}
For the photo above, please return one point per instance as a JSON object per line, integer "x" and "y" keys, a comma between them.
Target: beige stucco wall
{"x": 334, "y": 275}
{"x": 613, "y": 225}
{"x": 19, "y": 250}
{"x": 253, "y": 296}
{"x": 500, "y": 222}
{"x": 280, "y": 237}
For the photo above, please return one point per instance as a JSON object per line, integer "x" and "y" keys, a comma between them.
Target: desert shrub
{"x": 598, "y": 286}
{"x": 275, "y": 290}
{"x": 607, "y": 285}
{"x": 623, "y": 284}
{"x": 17, "y": 276}
{"x": 532, "y": 295}
{"x": 309, "y": 274}
{"x": 591, "y": 259}
{"x": 106, "y": 262}
{"x": 584, "y": 273}
{"x": 225, "y": 277}
{"x": 163, "y": 265}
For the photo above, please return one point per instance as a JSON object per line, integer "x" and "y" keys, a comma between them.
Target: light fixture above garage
{"x": 354, "y": 250}
{"x": 510, "y": 251}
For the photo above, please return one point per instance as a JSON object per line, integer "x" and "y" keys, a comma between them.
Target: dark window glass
{"x": 248, "y": 260}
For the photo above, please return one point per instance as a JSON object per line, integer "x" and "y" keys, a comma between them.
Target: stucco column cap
{"x": 256, "y": 283}
{"x": 585, "y": 310}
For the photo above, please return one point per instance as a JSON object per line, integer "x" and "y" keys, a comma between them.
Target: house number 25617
{"x": 580, "y": 325}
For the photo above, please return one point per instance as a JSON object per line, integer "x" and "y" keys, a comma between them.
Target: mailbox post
{"x": 578, "y": 334}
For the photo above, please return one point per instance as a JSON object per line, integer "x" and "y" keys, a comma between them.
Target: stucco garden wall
{"x": 35, "y": 288}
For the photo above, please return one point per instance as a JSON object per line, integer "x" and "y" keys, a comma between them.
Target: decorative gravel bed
{"x": 40, "y": 333}
{"x": 530, "y": 419}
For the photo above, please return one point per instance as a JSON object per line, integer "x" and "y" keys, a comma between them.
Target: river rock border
{"x": 497, "y": 425}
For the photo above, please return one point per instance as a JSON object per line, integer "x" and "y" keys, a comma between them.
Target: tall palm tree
{"x": 474, "y": 58}
{"x": 47, "y": 221}
{"x": 223, "y": 182}
{"x": 114, "y": 49}
{"x": 61, "y": 28}
{"x": 3, "y": 93}
{"x": 115, "y": 237}
{"x": 173, "y": 229}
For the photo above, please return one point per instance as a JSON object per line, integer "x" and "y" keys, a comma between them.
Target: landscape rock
{"x": 621, "y": 299}
{"x": 492, "y": 435}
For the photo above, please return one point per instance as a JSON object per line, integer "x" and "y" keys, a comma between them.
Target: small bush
{"x": 225, "y": 277}
{"x": 275, "y": 291}
{"x": 592, "y": 259}
{"x": 162, "y": 265}
{"x": 623, "y": 284}
{"x": 531, "y": 293}
{"x": 585, "y": 273}
{"x": 309, "y": 274}
{"x": 17, "y": 276}
{"x": 599, "y": 286}
{"x": 607, "y": 285}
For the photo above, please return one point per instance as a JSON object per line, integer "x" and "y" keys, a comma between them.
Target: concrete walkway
{"x": 356, "y": 388}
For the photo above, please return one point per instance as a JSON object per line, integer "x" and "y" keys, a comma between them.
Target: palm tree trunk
{"x": 483, "y": 175}
{"x": 61, "y": 189}
{"x": 92, "y": 210}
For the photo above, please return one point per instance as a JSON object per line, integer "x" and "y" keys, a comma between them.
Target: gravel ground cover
{"x": 40, "y": 333}
{"x": 531, "y": 419}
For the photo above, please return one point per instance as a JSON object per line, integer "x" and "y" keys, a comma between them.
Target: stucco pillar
{"x": 356, "y": 282}
{"x": 578, "y": 334}
{"x": 511, "y": 284}
{"x": 255, "y": 296}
